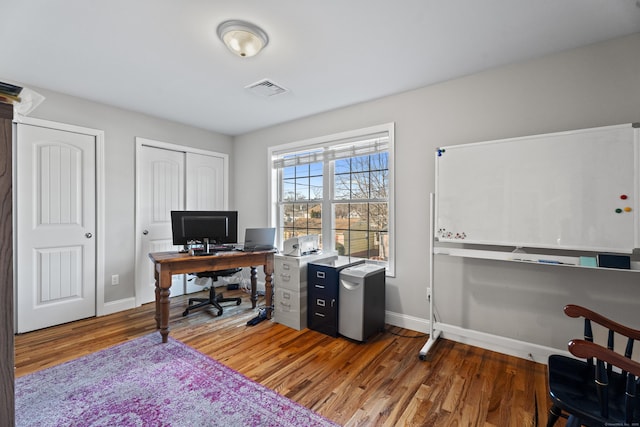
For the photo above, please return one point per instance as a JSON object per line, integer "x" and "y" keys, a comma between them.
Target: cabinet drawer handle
{"x": 320, "y": 274}
{"x": 319, "y": 286}
{"x": 320, "y": 303}
{"x": 319, "y": 314}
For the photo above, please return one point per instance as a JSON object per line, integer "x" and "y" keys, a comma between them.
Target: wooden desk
{"x": 167, "y": 264}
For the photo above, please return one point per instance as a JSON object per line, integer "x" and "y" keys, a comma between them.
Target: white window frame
{"x": 327, "y": 219}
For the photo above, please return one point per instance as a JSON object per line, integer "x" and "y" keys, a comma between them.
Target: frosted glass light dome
{"x": 242, "y": 38}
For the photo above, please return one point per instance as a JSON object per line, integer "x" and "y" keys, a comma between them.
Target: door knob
{"x": 145, "y": 232}
{"x": 88, "y": 235}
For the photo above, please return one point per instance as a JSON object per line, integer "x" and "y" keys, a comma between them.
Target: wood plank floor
{"x": 379, "y": 383}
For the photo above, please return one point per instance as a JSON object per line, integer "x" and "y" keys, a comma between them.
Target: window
{"x": 339, "y": 187}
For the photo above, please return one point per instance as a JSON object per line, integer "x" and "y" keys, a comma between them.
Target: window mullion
{"x": 279, "y": 205}
{"x": 328, "y": 234}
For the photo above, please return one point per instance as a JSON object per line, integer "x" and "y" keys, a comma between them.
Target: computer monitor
{"x": 206, "y": 227}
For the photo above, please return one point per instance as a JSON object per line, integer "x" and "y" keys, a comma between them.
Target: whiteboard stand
{"x": 434, "y": 333}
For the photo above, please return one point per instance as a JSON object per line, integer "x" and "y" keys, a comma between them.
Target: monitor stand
{"x": 209, "y": 248}
{"x": 205, "y": 248}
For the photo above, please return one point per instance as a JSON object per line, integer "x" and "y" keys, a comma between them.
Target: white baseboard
{"x": 407, "y": 322}
{"x": 116, "y": 306}
{"x": 524, "y": 350}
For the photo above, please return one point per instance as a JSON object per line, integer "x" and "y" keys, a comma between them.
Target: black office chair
{"x": 214, "y": 298}
{"x": 603, "y": 389}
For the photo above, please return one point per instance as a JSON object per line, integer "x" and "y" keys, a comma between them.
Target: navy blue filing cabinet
{"x": 322, "y": 292}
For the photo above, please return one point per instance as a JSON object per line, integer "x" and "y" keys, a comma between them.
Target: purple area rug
{"x": 146, "y": 383}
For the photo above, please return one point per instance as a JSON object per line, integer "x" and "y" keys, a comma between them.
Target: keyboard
{"x": 221, "y": 248}
{"x": 214, "y": 250}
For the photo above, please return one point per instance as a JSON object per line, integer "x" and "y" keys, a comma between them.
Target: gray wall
{"x": 121, "y": 127}
{"x": 587, "y": 87}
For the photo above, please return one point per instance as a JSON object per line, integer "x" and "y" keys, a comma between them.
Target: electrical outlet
{"x": 115, "y": 279}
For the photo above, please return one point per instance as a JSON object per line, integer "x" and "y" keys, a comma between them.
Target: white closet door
{"x": 205, "y": 190}
{"x": 171, "y": 179}
{"x": 56, "y": 226}
{"x": 205, "y": 182}
{"x": 161, "y": 185}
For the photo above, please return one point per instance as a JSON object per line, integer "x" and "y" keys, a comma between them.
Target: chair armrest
{"x": 585, "y": 349}
{"x": 578, "y": 311}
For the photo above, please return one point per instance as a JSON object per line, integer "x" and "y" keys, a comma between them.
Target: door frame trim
{"x": 140, "y": 142}
{"x": 100, "y": 200}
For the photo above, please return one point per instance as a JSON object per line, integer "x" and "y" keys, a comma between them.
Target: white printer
{"x": 301, "y": 245}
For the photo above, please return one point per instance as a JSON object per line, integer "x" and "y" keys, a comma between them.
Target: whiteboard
{"x": 574, "y": 190}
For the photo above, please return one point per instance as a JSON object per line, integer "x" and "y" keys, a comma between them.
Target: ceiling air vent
{"x": 266, "y": 88}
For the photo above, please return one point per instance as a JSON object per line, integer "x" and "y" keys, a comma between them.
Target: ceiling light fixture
{"x": 242, "y": 38}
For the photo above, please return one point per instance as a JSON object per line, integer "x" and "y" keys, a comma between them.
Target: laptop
{"x": 259, "y": 239}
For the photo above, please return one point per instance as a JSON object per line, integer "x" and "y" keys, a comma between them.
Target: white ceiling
{"x": 163, "y": 58}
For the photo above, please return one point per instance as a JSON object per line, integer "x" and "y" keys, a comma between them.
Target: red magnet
{"x": 623, "y": 197}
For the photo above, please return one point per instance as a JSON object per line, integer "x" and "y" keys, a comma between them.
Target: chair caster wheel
{"x": 219, "y": 313}
{"x": 184, "y": 314}
{"x": 238, "y": 302}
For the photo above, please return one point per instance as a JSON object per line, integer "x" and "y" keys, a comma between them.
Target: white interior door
{"x": 56, "y": 226}
{"x": 161, "y": 184}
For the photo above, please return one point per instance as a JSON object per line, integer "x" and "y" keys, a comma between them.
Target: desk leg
{"x": 268, "y": 288}
{"x": 157, "y": 302}
{"x": 162, "y": 303}
{"x": 254, "y": 287}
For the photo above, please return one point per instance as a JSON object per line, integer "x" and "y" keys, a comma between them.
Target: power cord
{"x": 406, "y": 336}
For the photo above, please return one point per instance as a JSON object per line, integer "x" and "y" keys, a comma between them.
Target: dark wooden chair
{"x": 601, "y": 389}
{"x": 214, "y": 298}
